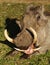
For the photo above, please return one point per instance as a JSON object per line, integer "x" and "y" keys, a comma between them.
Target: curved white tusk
{"x": 37, "y": 49}
{"x": 19, "y": 49}
{"x": 25, "y": 50}
{"x": 34, "y": 33}
{"x": 7, "y": 37}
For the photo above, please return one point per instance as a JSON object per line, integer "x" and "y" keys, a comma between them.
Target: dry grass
{"x": 16, "y": 10}
{"x": 26, "y": 1}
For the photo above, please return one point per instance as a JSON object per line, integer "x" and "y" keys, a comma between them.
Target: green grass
{"x": 16, "y": 11}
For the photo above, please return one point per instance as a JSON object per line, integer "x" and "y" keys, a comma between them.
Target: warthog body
{"x": 35, "y": 18}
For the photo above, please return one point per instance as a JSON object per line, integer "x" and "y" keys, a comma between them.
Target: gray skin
{"x": 35, "y": 18}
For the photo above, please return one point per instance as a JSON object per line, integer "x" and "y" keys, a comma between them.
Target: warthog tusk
{"x": 37, "y": 49}
{"x": 34, "y": 33}
{"x": 19, "y": 49}
{"x": 11, "y": 40}
{"x": 7, "y": 37}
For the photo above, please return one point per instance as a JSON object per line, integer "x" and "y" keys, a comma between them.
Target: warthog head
{"x": 33, "y": 23}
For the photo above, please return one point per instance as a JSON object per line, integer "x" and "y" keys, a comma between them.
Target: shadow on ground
{"x": 12, "y": 27}
{"x": 11, "y": 52}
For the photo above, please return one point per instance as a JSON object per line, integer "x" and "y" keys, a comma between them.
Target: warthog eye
{"x": 38, "y": 17}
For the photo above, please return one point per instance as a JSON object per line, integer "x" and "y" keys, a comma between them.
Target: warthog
{"x": 35, "y": 32}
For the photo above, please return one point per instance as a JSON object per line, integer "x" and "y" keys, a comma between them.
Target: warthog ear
{"x": 30, "y": 8}
{"x": 40, "y": 9}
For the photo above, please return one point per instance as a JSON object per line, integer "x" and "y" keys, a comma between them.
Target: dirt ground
{"x": 26, "y": 1}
